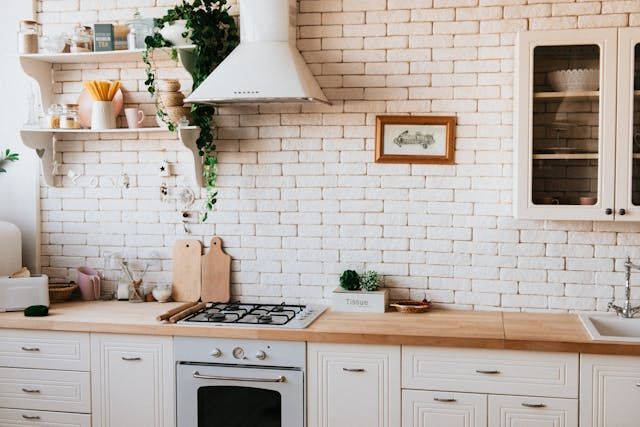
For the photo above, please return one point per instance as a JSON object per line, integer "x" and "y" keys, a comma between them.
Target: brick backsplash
{"x": 300, "y": 196}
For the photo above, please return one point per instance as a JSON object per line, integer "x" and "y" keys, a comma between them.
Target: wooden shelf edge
{"x": 582, "y": 94}
{"x": 91, "y": 131}
{"x": 575, "y": 156}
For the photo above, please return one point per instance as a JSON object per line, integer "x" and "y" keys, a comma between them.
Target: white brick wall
{"x": 301, "y": 199}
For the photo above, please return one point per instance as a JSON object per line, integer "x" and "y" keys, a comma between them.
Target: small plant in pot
{"x": 207, "y": 25}
{"x": 7, "y": 156}
{"x": 360, "y": 293}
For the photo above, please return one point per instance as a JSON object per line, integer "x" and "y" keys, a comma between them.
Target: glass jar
{"x": 69, "y": 117}
{"x": 141, "y": 28}
{"x": 53, "y": 116}
{"x": 82, "y": 40}
{"x": 28, "y": 37}
{"x": 136, "y": 292}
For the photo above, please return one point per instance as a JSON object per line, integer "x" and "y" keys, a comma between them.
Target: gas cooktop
{"x": 262, "y": 315}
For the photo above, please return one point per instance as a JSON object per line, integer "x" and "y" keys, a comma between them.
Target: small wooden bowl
{"x": 410, "y": 306}
{"x": 61, "y": 293}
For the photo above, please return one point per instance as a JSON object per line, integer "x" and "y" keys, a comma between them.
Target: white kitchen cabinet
{"x": 439, "y": 409}
{"x": 132, "y": 381}
{"x": 577, "y": 147}
{"x": 21, "y": 417}
{"x": 353, "y": 385}
{"x": 609, "y": 391}
{"x": 521, "y": 411}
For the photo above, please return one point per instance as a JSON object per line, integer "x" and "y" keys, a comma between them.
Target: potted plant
{"x": 360, "y": 293}
{"x": 7, "y": 156}
{"x": 208, "y": 26}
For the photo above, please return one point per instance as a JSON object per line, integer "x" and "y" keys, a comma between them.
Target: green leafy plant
{"x": 7, "y": 156}
{"x": 214, "y": 34}
{"x": 369, "y": 281}
{"x": 350, "y": 280}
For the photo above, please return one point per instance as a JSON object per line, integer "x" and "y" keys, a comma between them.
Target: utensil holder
{"x": 102, "y": 116}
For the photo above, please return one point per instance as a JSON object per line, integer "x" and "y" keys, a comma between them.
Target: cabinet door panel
{"x": 353, "y": 385}
{"x": 628, "y": 129}
{"x": 565, "y": 139}
{"x": 525, "y": 411}
{"x": 20, "y": 417}
{"x": 438, "y": 409}
{"x": 132, "y": 381}
{"x": 609, "y": 391}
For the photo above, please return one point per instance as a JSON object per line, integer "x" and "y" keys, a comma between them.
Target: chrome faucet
{"x": 626, "y": 310}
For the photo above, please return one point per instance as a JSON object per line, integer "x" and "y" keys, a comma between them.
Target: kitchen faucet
{"x": 626, "y": 311}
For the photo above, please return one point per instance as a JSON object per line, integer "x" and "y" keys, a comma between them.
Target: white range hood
{"x": 266, "y": 66}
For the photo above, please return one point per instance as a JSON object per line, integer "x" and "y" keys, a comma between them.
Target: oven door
{"x": 232, "y": 396}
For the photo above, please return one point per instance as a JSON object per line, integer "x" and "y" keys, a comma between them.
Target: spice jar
{"x": 53, "y": 116}
{"x": 82, "y": 41}
{"x": 69, "y": 117}
{"x": 28, "y": 37}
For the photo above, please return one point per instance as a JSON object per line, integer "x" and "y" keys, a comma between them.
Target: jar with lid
{"x": 69, "y": 117}
{"x": 53, "y": 116}
{"x": 28, "y": 37}
{"x": 82, "y": 40}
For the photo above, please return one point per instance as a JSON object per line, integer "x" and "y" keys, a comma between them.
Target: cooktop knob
{"x": 216, "y": 352}
{"x": 261, "y": 355}
{"x": 238, "y": 353}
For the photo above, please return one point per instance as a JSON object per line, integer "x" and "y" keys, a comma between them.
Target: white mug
{"x": 102, "y": 116}
{"x": 134, "y": 116}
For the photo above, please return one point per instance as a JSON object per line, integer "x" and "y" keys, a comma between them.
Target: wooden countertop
{"x": 451, "y": 328}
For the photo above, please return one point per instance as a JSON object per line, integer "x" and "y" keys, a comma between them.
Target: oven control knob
{"x": 261, "y": 355}
{"x": 238, "y": 353}
{"x": 216, "y": 352}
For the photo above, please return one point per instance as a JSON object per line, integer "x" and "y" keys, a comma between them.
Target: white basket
{"x": 574, "y": 80}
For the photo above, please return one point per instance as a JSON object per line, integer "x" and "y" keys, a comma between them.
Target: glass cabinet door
{"x": 565, "y": 157}
{"x": 628, "y": 137}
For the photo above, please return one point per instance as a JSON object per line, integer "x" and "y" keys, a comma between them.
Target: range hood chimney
{"x": 266, "y": 66}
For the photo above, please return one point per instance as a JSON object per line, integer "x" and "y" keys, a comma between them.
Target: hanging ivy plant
{"x": 215, "y": 34}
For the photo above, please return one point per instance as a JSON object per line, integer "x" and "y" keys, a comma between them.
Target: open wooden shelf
{"x": 572, "y": 95}
{"x": 84, "y": 131}
{"x": 566, "y": 156}
{"x": 96, "y": 57}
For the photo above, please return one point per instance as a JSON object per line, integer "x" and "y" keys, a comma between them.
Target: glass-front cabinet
{"x": 628, "y": 126}
{"x": 565, "y": 137}
{"x": 577, "y": 137}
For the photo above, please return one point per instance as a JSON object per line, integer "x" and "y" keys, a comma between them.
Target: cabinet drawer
{"x": 511, "y": 411}
{"x": 21, "y": 417}
{"x": 490, "y": 371}
{"x": 439, "y": 408}
{"x": 63, "y": 391}
{"x": 46, "y": 350}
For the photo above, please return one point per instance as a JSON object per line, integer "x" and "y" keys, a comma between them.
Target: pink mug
{"x": 89, "y": 283}
{"x": 135, "y": 117}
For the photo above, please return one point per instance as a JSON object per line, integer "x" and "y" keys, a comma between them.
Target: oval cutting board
{"x": 216, "y": 273}
{"x": 186, "y": 270}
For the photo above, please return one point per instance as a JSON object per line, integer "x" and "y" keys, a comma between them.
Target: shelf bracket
{"x": 42, "y": 73}
{"x": 44, "y": 144}
{"x": 188, "y": 137}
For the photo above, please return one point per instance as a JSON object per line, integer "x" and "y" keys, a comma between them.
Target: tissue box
{"x": 21, "y": 292}
{"x": 360, "y": 301}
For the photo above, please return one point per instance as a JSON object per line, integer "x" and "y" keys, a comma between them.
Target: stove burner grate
{"x": 237, "y": 312}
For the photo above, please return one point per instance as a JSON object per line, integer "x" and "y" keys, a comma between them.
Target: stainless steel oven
{"x": 239, "y": 383}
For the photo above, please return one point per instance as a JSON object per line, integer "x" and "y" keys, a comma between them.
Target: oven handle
{"x": 199, "y": 376}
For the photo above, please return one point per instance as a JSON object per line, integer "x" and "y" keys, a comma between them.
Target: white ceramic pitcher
{"x": 102, "y": 115}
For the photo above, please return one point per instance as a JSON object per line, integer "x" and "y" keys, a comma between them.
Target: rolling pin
{"x": 188, "y": 311}
{"x": 182, "y": 307}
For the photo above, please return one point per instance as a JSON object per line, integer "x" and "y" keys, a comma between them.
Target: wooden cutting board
{"x": 187, "y": 280}
{"x": 216, "y": 273}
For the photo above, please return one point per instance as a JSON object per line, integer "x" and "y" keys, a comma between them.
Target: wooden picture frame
{"x": 415, "y": 139}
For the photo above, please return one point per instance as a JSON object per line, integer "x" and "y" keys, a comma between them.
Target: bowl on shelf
{"x": 584, "y": 79}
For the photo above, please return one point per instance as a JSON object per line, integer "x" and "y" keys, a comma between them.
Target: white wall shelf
{"x": 43, "y": 142}
{"x": 97, "y": 57}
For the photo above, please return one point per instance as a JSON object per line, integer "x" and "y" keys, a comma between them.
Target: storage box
{"x": 18, "y": 293}
{"x": 360, "y": 301}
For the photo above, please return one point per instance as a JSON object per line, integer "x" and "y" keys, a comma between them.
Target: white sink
{"x": 611, "y": 328}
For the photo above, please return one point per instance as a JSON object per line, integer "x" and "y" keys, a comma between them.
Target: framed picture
{"x": 415, "y": 139}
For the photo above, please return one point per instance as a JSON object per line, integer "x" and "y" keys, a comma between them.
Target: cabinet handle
{"x": 131, "y": 359}
{"x": 621, "y": 211}
{"x": 353, "y": 369}
{"x": 487, "y": 371}
{"x": 608, "y": 211}
{"x": 32, "y": 349}
{"x": 443, "y": 399}
{"x": 638, "y": 384}
{"x": 534, "y": 405}
{"x": 31, "y": 417}
{"x": 31, "y": 390}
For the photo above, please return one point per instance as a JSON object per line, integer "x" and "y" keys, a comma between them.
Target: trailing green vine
{"x": 215, "y": 34}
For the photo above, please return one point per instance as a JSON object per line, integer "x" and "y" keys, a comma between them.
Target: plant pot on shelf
{"x": 360, "y": 301}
